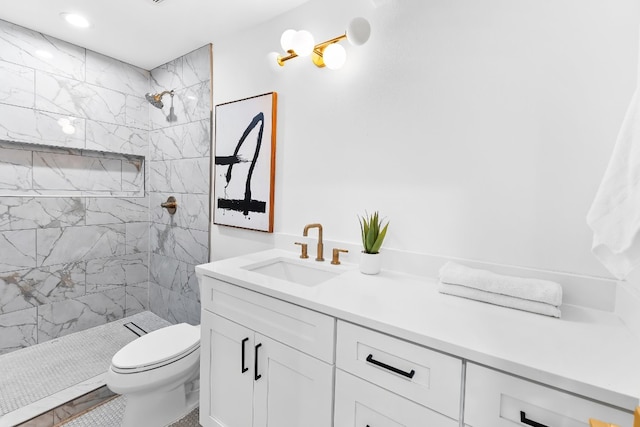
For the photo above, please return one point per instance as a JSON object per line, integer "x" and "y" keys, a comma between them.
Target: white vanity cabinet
{"x": 264, "y": 362}
{"x": 496, "y": 399}
{"x": 390, "y": 351}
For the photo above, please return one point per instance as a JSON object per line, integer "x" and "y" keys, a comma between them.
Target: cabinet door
{"x": 293, "y": 389}
{"x": 361, "y": 404}
{"x": 226, "y": 392}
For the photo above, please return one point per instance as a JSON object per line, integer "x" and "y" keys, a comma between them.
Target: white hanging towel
{"x": 614, "y": 216}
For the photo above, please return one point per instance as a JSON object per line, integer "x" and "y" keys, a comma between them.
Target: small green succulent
{"x": 373, "y": 232}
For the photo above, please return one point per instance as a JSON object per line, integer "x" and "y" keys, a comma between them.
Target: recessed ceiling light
{"x": 75, "y": 20}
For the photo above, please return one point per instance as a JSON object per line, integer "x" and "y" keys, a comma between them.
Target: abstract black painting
{"x": 244, "y": 170}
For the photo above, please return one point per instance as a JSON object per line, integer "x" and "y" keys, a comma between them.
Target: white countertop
{"x": 587, "y": 352}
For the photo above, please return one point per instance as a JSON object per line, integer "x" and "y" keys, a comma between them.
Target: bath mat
{"x": 41, "y": 370}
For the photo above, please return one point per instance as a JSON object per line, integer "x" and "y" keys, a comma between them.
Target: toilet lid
{"x": 158, "y": 347}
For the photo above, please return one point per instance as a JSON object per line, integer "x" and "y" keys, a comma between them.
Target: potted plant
{"x": 373, "y": 233}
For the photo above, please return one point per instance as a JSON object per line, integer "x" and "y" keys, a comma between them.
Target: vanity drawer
{"x": 360, "y": 403}
{"x": 303, "y": 329}
{"x": 424, "y": 376}
{"x": 495, "y": 399}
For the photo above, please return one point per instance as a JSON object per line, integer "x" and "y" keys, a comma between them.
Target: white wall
{"x": 480, "y": 128}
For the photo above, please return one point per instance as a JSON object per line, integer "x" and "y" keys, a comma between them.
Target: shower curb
{"x": 72, "y": 409}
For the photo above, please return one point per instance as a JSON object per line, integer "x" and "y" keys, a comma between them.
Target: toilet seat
{"x": 156, "y": 349}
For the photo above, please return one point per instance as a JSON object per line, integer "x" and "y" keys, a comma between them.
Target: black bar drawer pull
{"x": 370, "y": 359}
{"x": 524, "y": 420}
{"x": 256, "y": 376}
{"x": 244, "y": 369}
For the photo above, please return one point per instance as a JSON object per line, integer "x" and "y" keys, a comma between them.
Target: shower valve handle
{"x": 171, "y": 205}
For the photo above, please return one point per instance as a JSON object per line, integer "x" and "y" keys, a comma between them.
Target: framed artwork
{"x": 244, "y": 166}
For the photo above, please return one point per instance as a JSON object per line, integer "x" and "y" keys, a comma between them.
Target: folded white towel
{"x": 498, "y": 299}
{"x": 614, "y": 215}
{"x": 538, "y": 290}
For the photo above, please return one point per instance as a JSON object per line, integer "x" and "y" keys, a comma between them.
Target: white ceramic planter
{"x": 370, "y": 263}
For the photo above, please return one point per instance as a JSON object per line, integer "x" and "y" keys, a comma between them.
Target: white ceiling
{"x": 141, "y": 32}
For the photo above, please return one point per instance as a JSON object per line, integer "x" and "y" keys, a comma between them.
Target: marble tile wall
{"x": 73, "y": 262}
{"x": 179, "y": 166}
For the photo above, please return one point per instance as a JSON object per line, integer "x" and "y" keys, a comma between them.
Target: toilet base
{"x": 159, "y": 408}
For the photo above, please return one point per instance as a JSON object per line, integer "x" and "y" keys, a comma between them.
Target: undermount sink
{"x": 294, "y": 271}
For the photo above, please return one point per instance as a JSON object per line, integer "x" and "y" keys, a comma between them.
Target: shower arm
{"x": 158, "y": 96}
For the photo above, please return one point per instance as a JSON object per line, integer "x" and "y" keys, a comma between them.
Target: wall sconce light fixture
{"x": 329, "y": 53}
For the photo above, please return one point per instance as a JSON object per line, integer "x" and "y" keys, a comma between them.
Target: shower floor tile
{"x": 37, "y": 379}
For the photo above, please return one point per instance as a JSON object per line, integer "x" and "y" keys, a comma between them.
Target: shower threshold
{"x": 45, "y": 384}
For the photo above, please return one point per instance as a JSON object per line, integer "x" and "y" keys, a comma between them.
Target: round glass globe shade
{"x": 272, "y": 59}
{"x": 359, "y": 31}
{"x": 334, "y": 56}
{"x": 303, "y": 43}
{"x": 286, "y": 40}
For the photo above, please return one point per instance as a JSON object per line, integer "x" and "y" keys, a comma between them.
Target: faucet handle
{"x": 335, "y": 260}
{"x": 304, "y": 253}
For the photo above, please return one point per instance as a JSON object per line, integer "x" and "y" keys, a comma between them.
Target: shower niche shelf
{"x": 32, "y": 170}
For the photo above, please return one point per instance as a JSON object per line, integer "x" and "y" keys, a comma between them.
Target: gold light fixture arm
{"x": 283, "y": 59}
{"x": 318, "y": 50}
{"x": 322, "y": 45}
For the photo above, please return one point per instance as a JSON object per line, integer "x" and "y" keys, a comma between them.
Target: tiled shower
{"x": 85, "y": 162}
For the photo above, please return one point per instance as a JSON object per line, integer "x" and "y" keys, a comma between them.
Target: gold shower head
{"x": 155, "y": 99}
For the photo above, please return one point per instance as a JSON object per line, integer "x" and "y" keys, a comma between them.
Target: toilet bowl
{"x": 159, "y": 375}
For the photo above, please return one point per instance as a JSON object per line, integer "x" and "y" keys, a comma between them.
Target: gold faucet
{"x": 320, "y": 245}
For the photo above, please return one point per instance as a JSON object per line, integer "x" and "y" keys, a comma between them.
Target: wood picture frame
{"x": 244, "y": 165}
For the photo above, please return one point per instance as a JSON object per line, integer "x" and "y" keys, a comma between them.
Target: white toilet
{"x": 159, "y": 374}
